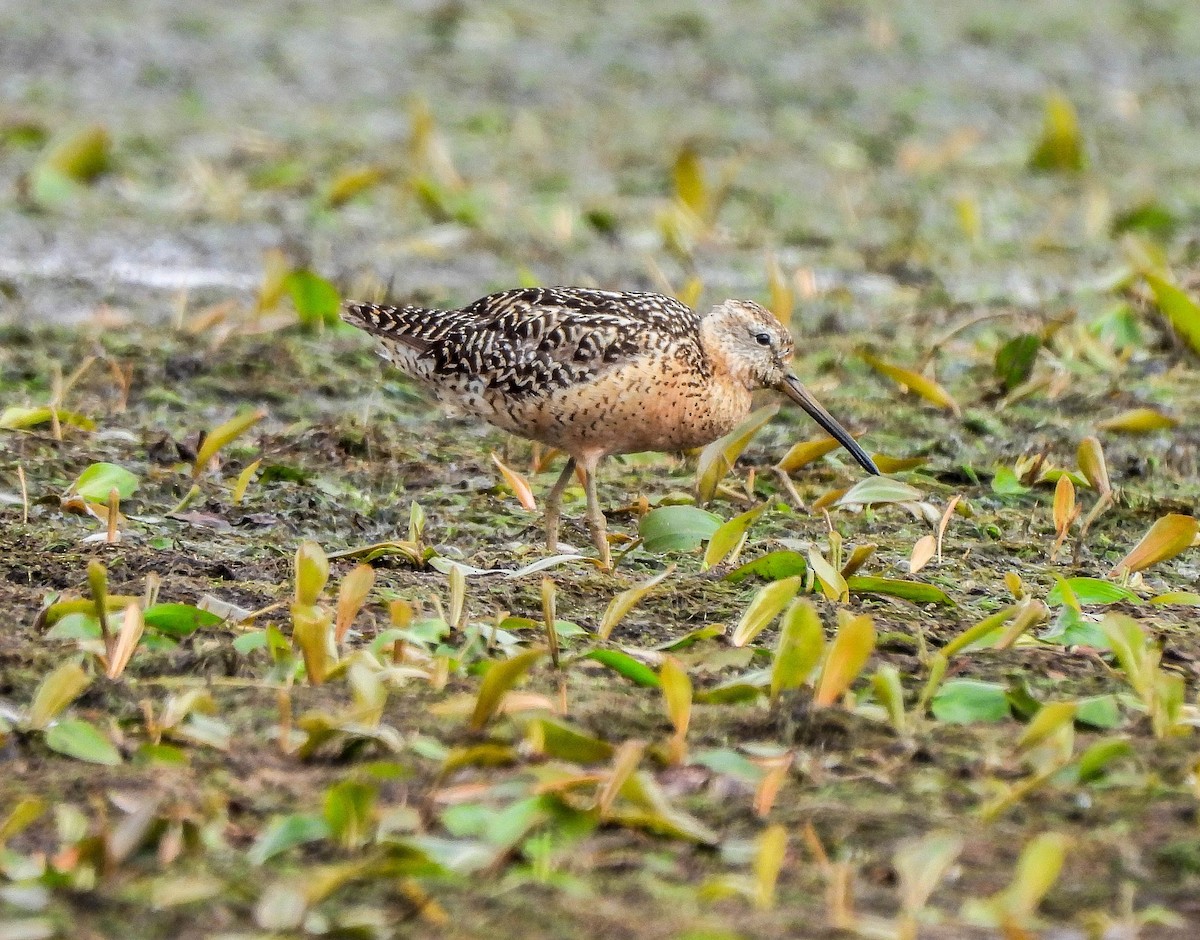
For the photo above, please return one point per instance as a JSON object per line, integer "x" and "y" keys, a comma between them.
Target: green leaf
{"x": 1151, "y": 217}
{"x": 248, "y": 642}
{"x": 879, "y": 489}
{"x": 286, "y": 832}
{"x": 1071, "y": 628}
{"x": 1015, "y": 359}
{"x": 914, "y": 591}
{"x": 97, "y": 480}
{"x": 178, "y": 619}
{"x": 625, "y": 665}
{"x": 773, "y": 566}
{"x": 562, "y": 741}
{"x": 1005, "y": 483}
{"x": 1091, "y": 591}
{"x": 1099, "y": 711}
{"x": 348, "y": 808}
{"x": 962, "y": 701}
{"x": 728, "y": 763}
{"x": 82, "y": 740}
{"x": 1094, "y": 761}
{"x": 677, "y": 529}
{"x": 315, "y": 299}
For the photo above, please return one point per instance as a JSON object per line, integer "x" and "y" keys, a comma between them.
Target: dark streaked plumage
{"x": 595, "y": 372}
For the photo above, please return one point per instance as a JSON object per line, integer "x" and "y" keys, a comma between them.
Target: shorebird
{"x": 595, "y": 373}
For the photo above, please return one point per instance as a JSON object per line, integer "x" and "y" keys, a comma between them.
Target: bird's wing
{"x": 531, "y": 340}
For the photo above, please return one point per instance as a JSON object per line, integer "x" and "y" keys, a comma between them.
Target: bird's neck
{"x": 727, "y": 366}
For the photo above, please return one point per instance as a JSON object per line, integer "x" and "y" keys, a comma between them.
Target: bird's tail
{"x": 415, "y": 327}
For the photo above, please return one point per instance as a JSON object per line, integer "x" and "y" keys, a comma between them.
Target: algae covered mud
{"x": 956, "y": 702}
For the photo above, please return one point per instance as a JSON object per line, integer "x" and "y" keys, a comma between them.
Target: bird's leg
{"x": 595, "y": 517}
{"x": 554, "y": 504}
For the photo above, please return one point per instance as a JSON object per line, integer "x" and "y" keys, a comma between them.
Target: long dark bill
{"x": 792, "y": 388}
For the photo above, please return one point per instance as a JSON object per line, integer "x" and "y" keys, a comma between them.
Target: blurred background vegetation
{"x": 897, "y": 155}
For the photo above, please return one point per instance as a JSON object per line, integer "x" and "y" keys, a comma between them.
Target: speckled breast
{"x": 650, "y": 404}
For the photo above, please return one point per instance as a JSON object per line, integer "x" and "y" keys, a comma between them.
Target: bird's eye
{"x": 763, "y": 339}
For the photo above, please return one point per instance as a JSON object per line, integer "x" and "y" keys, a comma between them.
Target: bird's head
{"x": 756, "y": 349}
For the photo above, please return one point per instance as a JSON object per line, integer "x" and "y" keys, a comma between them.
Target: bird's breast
{"x": 651, "y": 404}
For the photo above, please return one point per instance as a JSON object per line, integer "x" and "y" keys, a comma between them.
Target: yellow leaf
{"x": 765, "y": 607}
{"x": 1060, "y": 147}
{"x": 927, "y": 388}
{"x": 517, "y": 483}
{"x": 1181, "y": 311}
{"x": 1037, "y": 870}
{"x": 17, "y": 417}
{"x": 1092, "y": 465}
{"x": 349, "y": 183}
{"x": 312, "y": 571}
{"x": 352, "y": 594}
{"x": 1179, "y": 598}
{"x": 24, "y": 813}
{"x": 625, "y": 762}
{"x": 920, "y": 864}
{"x": 988, "y": 625}
{"x": 276, "y": 268}
{"x": 730, "y": 536}
{"x": 1064, "y": 504}
{"x": 1049, "y": 718}
{"x": 1169, "y": 536}
{"x": 1029, "y": 614}
{"x": 921, "y": 553}
{"x": 54, "y": 693}
{"x": 966, "y": 207}
{"x": 768, "y": 862}
{"x": 132, "y": 626}
{"x": 828, "y": 498}
{"x": 1012, "y": 581}
{"x": 801, "y": 645}
{"x": 690, "y": 293}
{"x": 718, "y": 458}
{"x": 312, "y": 631}
{"x": 832, "y": 584}
{"x": 805, "y": 452}
{"x": 81, "y": 156}
{"x": 858, "y": 558}
{"x": 888, "y": 465}
{"x": 783, "y": 298}
{"x": 243, "y": 481}
{"x": 496, "y": 683}
{"x": 677, "y": 693}
{"x": 624, "y": 602}
{"x": 222, "y": 435}
{"x": 1138, "y": 421}
{"x": 848, "y": 654}
{"x": 691, "y": 188}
